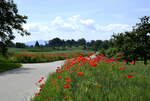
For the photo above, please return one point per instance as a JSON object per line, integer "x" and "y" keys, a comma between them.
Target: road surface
{"x": 20, "y": 84}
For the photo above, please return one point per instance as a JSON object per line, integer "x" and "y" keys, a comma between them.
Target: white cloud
{"x": 72, "y": 24}
{"x": 35, "y": 27}
{"x": 59, "y": 24}
{"x": 115, "y": 27}
{"x": 72, "y": 27}
{"x": 87, "y": 22}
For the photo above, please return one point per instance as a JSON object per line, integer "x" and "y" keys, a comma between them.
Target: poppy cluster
{"x": 74, "y": 66}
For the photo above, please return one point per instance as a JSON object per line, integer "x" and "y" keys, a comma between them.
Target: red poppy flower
{"x": 122, "y": 67}
{"x": 50, "y": 98}
{"x": 133, "y": 62}
{"x": 93, "y": 63}
{"x": 66, "y": 85}
{"x": 80, "y": 73}
{"x": 124, "y": 60}
{"x": 118, "y": 57}
{"x": 59, "y": 71}
{"x": 114, "y": 63}
{"x": 53, "y": 81}
{"x": 77, "y": 68}
{"x": 39, "y": 81}
{"x": 68, "y": 79}
{"x": 57, "y": 86}
{"x": 42, "y": 78}
{"x": 79, "y": 64}
{"x": 129, "y": 76}
{"x": 40, "y": 86}
{"x": 59, "y": 77}
{"x": 37, "y": 94}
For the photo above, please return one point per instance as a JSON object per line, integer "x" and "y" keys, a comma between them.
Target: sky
{"x": 75, "y": 19}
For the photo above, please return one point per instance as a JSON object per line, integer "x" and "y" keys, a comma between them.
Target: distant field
{"x": 46, "y": 50}
{"x": 38, "y": 55}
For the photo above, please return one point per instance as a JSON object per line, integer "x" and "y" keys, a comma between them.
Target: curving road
{"x": 20, "y": 84}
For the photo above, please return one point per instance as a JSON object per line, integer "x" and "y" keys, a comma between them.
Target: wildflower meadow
{"x": 96, "y": 79}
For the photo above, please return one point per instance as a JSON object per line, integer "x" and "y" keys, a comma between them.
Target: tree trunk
{"x": 3, "y": 49}
{"x": 145, "y": 59}
{"x": 134, "y": 60}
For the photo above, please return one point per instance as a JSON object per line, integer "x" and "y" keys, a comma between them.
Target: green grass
{"x": 105, "y": 82}
{"x": 6, "y": 64}
{"x": 39, "y": 55}
{"x": 45, "y": 50}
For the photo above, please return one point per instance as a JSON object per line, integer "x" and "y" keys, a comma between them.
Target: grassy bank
{"x": 99, "y": 79}
{"x": 6, "y": 64}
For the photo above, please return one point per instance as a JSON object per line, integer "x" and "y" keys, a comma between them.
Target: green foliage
{"x": 36, "y": 59}
{"x": 136, "y": 43}
{"x": 37, "y": 44}
{"x": 95, "y": 45}
{"x": 20, "y": 45}
{"x": 10, "y": 20}
{"x": 111, "y": 52}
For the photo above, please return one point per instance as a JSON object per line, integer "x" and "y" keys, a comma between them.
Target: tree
{"x": 20, "y": 45}
{"x": 136, "y": 43}
{"x": 97, "y": 45}
{"x": 125, "y": 43}
{"x": 82, "y": 42}
{"x": 142, "y": 32}
{"x": 10, "y": 20}
{"x": 105, "y": 44}
{"x": 69, "y": 43}
{"x": 11, "y": 44}
{"x": 56, "y": 42}
{"x": 37, "y": 44}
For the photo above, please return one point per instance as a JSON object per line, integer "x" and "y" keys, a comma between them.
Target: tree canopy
{"x": 135, "y": 43}
{"x": 10, "y": 21}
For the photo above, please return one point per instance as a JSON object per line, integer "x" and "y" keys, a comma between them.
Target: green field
{"x": 46, "y": 50}
{"x": 104, "y": 81}
{"x": 37, "y": 55}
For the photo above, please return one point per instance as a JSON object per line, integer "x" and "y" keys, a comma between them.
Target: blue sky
{"x": 74, "y": 19}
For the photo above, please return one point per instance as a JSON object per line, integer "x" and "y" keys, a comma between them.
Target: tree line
{"x": 57, "y": 43}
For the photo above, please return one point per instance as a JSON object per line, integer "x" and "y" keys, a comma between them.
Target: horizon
{"x": 92, "y": 20}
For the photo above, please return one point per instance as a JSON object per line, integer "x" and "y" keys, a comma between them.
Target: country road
{"x": 20, "y": 84}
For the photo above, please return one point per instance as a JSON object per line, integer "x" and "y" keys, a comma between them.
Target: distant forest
{"x": 57, "y": 42}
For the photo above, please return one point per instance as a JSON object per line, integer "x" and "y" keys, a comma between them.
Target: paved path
{"x": 20, "y": 84}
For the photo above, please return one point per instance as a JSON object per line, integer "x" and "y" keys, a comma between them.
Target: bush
{"x": 112, "y": 51}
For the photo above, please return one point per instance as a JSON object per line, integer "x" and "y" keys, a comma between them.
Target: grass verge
{"x": 8, "y": 66}
{"x": 98, "y": 79}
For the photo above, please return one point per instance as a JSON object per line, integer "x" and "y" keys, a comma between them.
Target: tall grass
{"x": 98, "y": 79}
